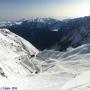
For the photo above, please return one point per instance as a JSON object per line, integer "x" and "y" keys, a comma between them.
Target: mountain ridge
{"x": 46, "y": 33}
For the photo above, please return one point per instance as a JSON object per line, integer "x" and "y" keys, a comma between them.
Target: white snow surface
{"x": 48, "y": 70}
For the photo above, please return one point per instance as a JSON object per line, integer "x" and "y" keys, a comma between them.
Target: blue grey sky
{"x": 17, "y": 9}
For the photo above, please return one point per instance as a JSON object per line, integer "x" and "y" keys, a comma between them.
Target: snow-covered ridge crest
{"x": 14, "y": 37}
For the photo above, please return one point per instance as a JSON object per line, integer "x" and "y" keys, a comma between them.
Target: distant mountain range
{"x": 45, "y": 33}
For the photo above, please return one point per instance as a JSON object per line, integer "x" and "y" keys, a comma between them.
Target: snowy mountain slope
{"x": 82, "y": 82}
{"x": 65, "y": 67}
{"x": 49, "y": 70}
{"x": 12, "y": 49}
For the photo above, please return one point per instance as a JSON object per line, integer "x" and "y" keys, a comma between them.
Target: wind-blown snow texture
{"x": 48, "y": 70}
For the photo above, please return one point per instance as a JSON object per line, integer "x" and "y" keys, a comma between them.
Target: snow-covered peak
{"x": 43, "y": 20}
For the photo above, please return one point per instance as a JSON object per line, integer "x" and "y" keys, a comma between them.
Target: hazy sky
{"x": 17, "y": 9}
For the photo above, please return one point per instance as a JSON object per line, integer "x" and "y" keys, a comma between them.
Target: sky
{"x": 61, "y": 9}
